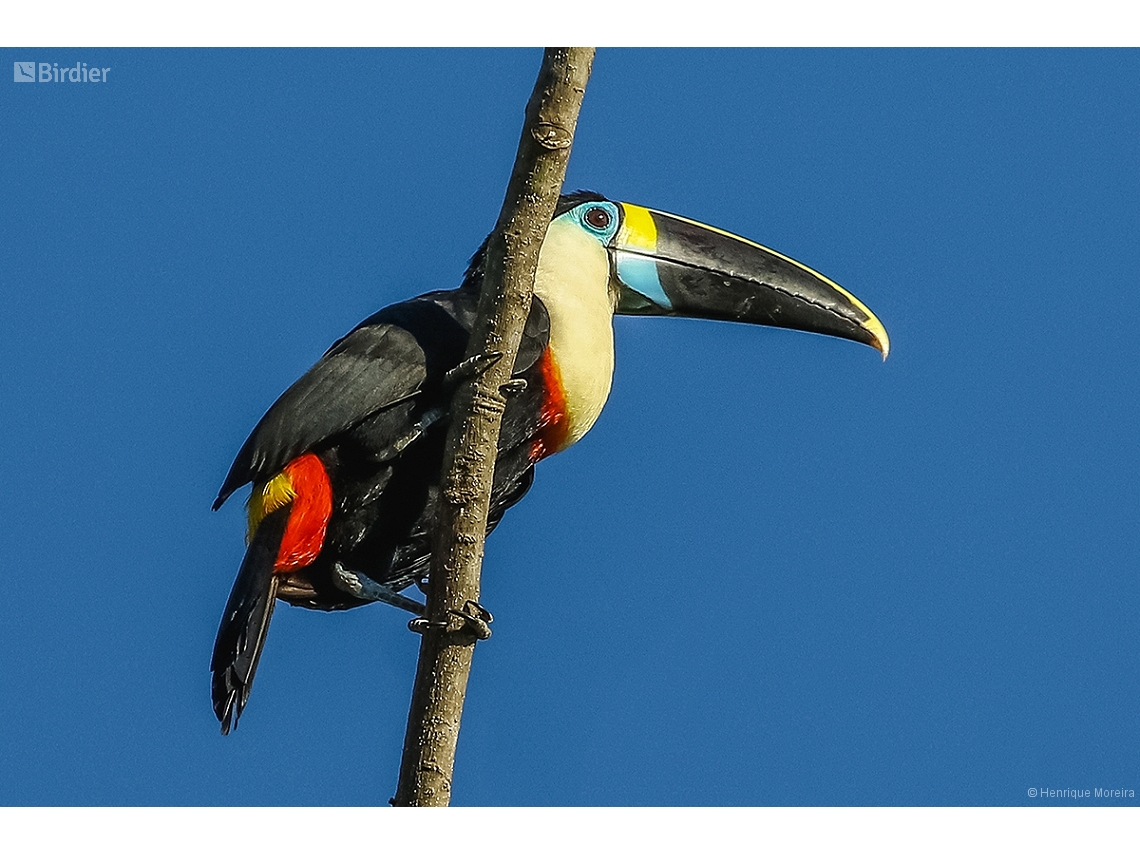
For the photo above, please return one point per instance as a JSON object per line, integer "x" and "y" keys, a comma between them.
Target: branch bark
{"x": 453, "y": 624}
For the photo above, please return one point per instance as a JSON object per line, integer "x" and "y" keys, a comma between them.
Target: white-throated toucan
{"x": 345, "y": 465}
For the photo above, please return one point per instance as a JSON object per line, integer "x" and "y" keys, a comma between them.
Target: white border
{"x": 552, "y": 831}
{"x": 707, "y": 23}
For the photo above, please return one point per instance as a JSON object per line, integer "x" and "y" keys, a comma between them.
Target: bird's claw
{"x": 470, "y": 367}
{"x": 474, "y": 618}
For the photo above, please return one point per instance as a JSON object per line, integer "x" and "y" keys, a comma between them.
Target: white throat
{"x": 573, "y": 283}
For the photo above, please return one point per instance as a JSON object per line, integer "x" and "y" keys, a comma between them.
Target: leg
{"x": 365, "y": 589}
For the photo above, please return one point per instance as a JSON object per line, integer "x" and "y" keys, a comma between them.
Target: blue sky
{"x": 776, "y": 572}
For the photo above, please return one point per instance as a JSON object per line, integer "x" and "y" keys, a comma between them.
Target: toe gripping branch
{"x": 470, "y": 367}
{"x": 472, "y": 618}
{"x": 478, "y": 364}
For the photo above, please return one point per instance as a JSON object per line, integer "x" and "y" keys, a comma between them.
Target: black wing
{"x": 389, "y": 358}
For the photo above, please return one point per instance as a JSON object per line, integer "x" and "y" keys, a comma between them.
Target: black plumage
{"x": 374, "y": 410}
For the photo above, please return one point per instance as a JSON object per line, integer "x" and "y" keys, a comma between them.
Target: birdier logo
{"x": 50, "y": 72}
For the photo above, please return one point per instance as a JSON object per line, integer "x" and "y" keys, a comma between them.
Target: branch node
{"x": 488, "y": 402}
{"x": 551, "y": 136}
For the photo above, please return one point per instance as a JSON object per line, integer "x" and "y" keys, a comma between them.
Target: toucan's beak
{"x": 667, "y": 265}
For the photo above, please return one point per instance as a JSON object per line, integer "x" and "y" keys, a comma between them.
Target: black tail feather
{"x": 245, "y": 621}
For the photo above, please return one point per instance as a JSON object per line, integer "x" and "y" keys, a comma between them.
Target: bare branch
{"x": 453, "y": 622}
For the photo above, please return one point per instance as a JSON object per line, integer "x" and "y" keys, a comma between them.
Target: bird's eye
{"x": 598, "y": 218}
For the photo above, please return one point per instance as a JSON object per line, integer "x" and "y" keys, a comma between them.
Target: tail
{"x": 245, "y": 621}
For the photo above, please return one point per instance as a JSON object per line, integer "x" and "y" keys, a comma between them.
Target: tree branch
{"x": 452, "y": 623}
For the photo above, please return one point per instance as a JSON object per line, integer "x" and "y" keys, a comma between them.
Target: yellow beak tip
{"x": 882, "y": 341}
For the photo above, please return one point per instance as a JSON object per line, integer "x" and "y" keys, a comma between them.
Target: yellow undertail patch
{"x": 275, "y": 493}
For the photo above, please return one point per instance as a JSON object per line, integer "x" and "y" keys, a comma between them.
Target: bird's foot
{"x": 364, "y": 588}
{"x": 476, "y": 365}
{"x": 473, "y": 618}
{"x": 471, "y": 367}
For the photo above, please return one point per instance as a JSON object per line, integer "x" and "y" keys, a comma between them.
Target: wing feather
{"x": 373, "y": 367}
{"x": 400, "y": 352}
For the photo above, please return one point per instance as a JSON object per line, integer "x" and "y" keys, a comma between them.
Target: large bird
{"x": 345, "y": 465}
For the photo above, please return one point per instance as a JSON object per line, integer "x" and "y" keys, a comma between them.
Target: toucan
{"x": 345, "y": 466}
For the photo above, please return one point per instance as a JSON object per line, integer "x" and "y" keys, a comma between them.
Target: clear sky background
{"x": 777, "y": 571}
